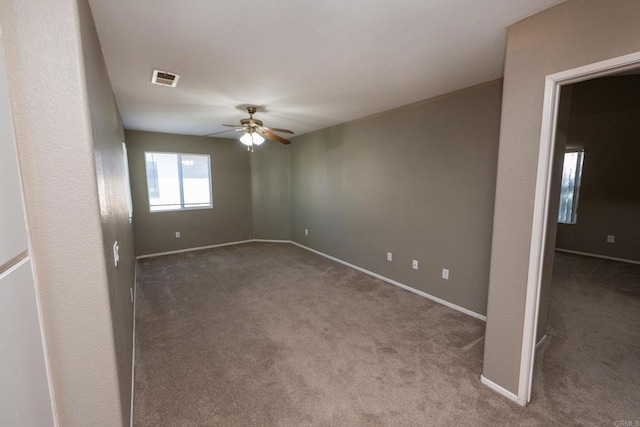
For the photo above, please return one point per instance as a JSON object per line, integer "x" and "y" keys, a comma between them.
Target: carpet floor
{"x": 272, "y": 335}
{"x": 590, "y": 365}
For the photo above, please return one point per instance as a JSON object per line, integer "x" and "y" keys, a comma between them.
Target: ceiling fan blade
{"x": 218, "y": 133}
{"x": 225, "y": 131}
{"x": 234, "y": 126}
{"x": 278, "y": 130}
{"x": 273, "y": 136}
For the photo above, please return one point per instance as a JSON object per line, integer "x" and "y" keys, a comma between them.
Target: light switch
{"x": 116, "y": 253}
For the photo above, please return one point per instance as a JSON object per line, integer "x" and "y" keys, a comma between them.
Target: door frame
{"x": 553, "y": 84}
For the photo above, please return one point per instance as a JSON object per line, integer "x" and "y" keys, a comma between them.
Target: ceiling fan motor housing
{"x": 251, "y": 122}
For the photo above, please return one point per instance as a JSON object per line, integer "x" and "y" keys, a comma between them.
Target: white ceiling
{"x": 310, "y": 64}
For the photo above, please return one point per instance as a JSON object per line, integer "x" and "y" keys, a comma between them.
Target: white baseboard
{"x": 199, "y": 248}
{"x": 630, "y": 261}
{"x": 542, "y": 341}
{"x": 503, "y": 391}
{"x": 398, "y": 284}
{"x": 133, "y": 355}
{"x": 338, "y": 260}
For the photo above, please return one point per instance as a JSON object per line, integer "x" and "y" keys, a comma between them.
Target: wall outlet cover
{"x": 177, "y": 234}
{"x": 611, "y": 238}
{"x": 414, "y": 265}
{"x": 445, "y": 274}
{"x": 389, "y": 256}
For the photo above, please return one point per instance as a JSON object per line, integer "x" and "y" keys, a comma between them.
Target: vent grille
{"x": 164, "y": 78}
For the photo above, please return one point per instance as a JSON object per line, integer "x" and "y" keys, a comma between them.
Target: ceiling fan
{"x": 254, "y": 131}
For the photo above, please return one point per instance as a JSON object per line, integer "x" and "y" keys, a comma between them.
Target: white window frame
{"x": 576, "y": 187}
{"x": 182, "y": 206}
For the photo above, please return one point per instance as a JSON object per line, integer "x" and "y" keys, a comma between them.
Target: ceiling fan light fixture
{"x": 251, "y": 138}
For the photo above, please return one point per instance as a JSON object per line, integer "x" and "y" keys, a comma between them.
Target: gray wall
{"x": 572, "y": 34}
{"x": 417, "y": 181}
{"x": 67, "y": 133}
{"x": 230, "y": 219}
{"x": 108, "y": 135}
{"x": 270, "y": 191}
{"x": 605, "y": 122}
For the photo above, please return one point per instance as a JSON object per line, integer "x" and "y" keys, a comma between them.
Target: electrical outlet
{"x": 415, "y": 264}
{"x": 306, "y": 231}
{"x": 445, "y": 274}
{"x": 177, "y": 234}
{"x": 389, "y": 256}
{"x": 611, "y": 238}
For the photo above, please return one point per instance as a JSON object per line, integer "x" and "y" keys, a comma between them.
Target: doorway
{"x": 543, "y": 196}
{"x": 590, "y": 289}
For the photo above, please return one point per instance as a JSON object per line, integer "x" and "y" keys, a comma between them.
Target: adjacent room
{"x": 589, "y": 323}
{"x": 335, "y": 213}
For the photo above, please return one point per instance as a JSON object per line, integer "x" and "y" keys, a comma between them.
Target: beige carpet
{"x": 590, "y": 367}
{"x": 271, "y": 334}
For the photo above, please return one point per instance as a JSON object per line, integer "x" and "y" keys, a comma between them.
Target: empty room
{"x": 242, "y": 213}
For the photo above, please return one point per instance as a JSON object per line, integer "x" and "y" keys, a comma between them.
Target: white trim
{"x": 133, "y": 352}
{"x": 630, "y": 261}
{"x": 199, "y": 248}
{"x": 542, "y": 341}
{"x": 553, "y": 83}
{"x": 538, "y": 238}
{"x": 15, "y": 266}
{"x": 398, "y": 284}
{"x": 503, "y": 391}
{"x": 43, "y": 337}
{"x": 270, "y": 241}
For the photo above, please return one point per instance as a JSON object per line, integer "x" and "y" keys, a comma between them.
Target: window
{"x": 571, "y": 174}
{"x": 178, "y": 181}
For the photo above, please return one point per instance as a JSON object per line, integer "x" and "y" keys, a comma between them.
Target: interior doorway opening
{"x": 590, "y": 289}
{"x": 543, "y": 222}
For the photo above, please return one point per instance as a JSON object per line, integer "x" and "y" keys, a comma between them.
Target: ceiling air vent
{"x": 164, "y": 78}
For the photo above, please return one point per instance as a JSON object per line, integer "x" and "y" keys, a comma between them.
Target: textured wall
{"x": 25, "y": 396}
{"x": 55, "y": 139}
{"x": 228, "y": 221}
{"x": 108, "y": 136}
{"x": 417, "y": 181}
{"x": 575, "y": 33}
{"x": 270, "y": 191}
{"x": 604, "y": 121}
